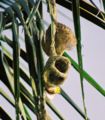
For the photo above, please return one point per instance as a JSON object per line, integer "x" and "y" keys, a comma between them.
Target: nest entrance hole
{"x": 61, "y": 65}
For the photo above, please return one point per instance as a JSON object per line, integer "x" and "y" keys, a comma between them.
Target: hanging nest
{"x": 64, "y": 39}
{"x": 55, "y": 71}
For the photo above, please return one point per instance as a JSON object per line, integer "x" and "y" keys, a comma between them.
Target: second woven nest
{"x": 64, "y": 39}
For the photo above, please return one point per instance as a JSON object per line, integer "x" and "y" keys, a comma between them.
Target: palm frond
{"x": 16, "y": 54}
{"x": 28, "y": 15}
{"x": 4, "y": 114}
{"x": 76, "y": 16}
{"x": 88, "y": 77}
{"x": 104, "y": 4}
{"x": 87, "y": 11}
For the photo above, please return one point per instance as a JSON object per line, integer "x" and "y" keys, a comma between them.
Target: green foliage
{"x": 28, "y": 15}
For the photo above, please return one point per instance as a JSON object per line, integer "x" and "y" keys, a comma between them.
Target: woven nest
{"x": 55, "y": 71}
{"x": 64, "y": 39}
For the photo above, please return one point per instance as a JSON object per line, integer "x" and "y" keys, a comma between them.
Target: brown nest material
{"x": 64, "y": 39}
{"x": 55, "y": 71}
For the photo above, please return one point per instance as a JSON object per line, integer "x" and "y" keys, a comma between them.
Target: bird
{"x": 64, "y": 39}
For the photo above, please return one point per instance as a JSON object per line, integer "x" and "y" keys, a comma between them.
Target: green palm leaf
{"x": 13, "y": 74}
{"x": 76, "y": 16}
